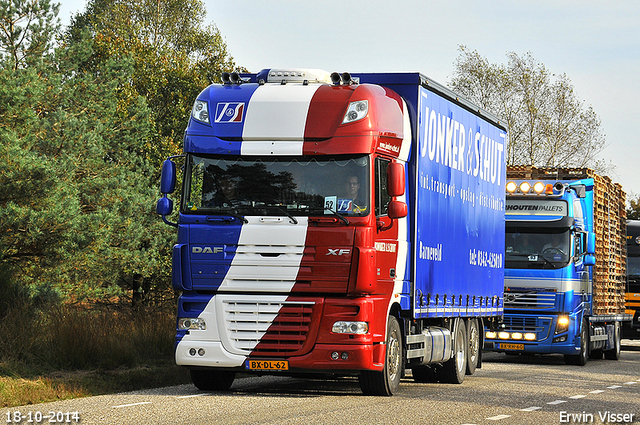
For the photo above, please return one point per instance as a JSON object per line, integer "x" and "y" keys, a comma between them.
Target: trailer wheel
{"x": 614, "y": 354}
{"x": 453, "y": 370}
{"x": 212, "y": 380}
{"x": 473, "y": 332}
{"x": 582, "y": 358}
{"x": 385, "y": 383}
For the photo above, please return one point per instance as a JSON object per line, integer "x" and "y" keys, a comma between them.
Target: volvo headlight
{"x": 562, "y": 325}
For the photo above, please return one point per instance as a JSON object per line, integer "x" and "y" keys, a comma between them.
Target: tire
{"x": 212, "y": 380}
{"x": 582, "y": 358}
{"x": 386, "y": 382}
{"x": 473, "y": 354}
{"x": 615, "y": 353}
{"x": 454, "y": 370}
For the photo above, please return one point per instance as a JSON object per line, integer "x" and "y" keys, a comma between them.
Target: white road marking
{"x": 132, "y": 404}
{"x": 193, "y": 395}
{"x": 630, "y": 383}
{"x": 531, "y": 409}
{"x": 613, "y": 387}
{"x": 557, "y": 402}
{"x": 497, "y": 418}
{"x": 575, "y": 397}
{"x": 596, "y": 392}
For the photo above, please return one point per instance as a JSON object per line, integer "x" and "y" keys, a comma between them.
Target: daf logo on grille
{"x": 206, "y": 249}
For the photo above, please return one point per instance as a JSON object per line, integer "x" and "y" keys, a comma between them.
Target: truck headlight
{"x": 358, "y": 328}
{"x": 563, "y": 324}
{"x": 188, "y": 323}
{"x": 356, "y": 111}
{"x": 201, "y": 111}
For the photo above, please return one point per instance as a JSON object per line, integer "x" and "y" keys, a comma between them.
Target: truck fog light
{"x": 344, "y": 356}
{"x": 192, "y": 351}
{"x": 503, "y": 335}
{"x": 358, "y": 328}
{"x": 530, "y": 336}
{"x": 516, "y": 335}
{"x": 525, "y": 187}
{"x": 335, "y": 355}
{"x": 201, "y": 352}
{"x": 490, "y": 335}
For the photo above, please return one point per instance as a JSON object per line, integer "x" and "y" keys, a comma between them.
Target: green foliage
{"x": 26, "y": 30}
{"x": 83, "y": 131}
{"x": 633, "y": 211}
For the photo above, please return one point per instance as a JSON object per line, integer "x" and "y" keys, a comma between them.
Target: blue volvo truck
{"x": 564, "y": 265}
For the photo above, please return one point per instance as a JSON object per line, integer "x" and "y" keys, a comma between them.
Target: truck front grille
{"x": 523, "y": 299}
{"x": 274, "y": 327}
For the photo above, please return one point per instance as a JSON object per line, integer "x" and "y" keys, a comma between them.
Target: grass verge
{"x": 65, "y": 351}
{"x": 19, "y": 391}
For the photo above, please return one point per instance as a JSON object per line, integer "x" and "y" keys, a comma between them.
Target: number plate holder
{"x": 507, "y": 346}
{"x": 274, "y": 365}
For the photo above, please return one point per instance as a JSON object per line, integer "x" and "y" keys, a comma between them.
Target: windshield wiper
{"x": 282, "y": 210}
{"x": 234, "y": 214}
{"x": 340, "y": 216}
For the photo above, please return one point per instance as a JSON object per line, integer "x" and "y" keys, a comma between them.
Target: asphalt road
{"x": 507, "y": 390}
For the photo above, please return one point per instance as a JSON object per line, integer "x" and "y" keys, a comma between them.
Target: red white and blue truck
{"x": 336, "y": 223}
{"x": 564, "y": 265}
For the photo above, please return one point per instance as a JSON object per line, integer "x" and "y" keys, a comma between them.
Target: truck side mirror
{"x": 591, "y": 243}
{"x": 395, "y": 178}
{"x": 397, "y": 209}
{"x": 164, "y": 206}
{"x": 589, "y": 260}
{"x": 168, "y": 177}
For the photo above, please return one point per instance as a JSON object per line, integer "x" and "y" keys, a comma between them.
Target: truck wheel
{"x": 473, "y": 332}
{"x": 453, "y": 370}
{"x": 582, "y": 358}
{"x": 212, "y": 380}
{"x": 614, "y": 354}
{"x": 385, "y": 383}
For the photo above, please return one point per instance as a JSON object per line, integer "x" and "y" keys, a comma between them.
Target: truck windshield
{"x": 278, "y": 186}
{"x": 537, "y": 248}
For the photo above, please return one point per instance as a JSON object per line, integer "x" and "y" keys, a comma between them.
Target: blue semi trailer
{"x": 564, "y": 265}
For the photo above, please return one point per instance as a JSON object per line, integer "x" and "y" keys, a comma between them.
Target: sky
{"x": 595, "y": 43}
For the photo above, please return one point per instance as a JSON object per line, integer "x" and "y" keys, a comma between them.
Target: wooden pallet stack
{"x": 610, "y": 219}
